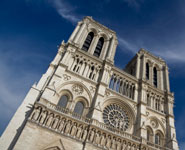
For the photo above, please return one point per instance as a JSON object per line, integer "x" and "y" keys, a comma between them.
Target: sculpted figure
{"x": 119, "y": 144}
{"x": 36, "y": 113}
{"x": 91, "y": 135}
{"x": 49, "y": 120}
{"x": 108, "y": 145}
{"x": 97, "y": 138}
{"x": 129, "y": 146}
{"x": 42, "y": 117}
{"x": 68, "y": 127}
{"x": 124, "y": 145}
{"x": 84, "y": 134}
{"x": 133, "y": 147}
{"x": 55, "y": 122}
{"x": 73, "y": 131}
{"x": 79, "y": 131}
{"x": 103, "y": 140}
{"x": 113, "y": 143}
{"x": 61, "y": 125}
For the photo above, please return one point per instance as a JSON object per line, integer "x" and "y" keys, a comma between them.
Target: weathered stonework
{"x": 83, "y": 102}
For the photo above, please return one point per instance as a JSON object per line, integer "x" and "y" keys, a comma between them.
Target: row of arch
{"x": 157, "y": 137}
{"x": 88, "y": 41}
{"x": 122, "y": 86}
{"x": 155, "y": 77}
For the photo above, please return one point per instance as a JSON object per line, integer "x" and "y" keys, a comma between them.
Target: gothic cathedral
{"x": 83, "y": 102}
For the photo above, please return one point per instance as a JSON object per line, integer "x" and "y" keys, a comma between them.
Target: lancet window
{"x": 147, "y": 71}
{"x": 88, "y": 41}
{"x": 63, "y": 101}
{"x": 79, "y": 107}
{"x": 99, "y": 47}
{"x": 155, "y": 76}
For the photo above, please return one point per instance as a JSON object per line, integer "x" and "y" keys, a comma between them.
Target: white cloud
{"x": 65, "y": 10}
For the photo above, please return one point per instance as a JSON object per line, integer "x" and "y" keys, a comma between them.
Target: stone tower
{"x": 83, "y": 102}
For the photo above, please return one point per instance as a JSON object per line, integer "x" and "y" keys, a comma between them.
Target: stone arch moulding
{"x": 92, "y": 29}
{"x": 153, "y": 118}
{"x": 62, "y": 87}
{"x": 125, "y": 105}
{"x": 102, "y": 34}
{"x": 83, "y": 100}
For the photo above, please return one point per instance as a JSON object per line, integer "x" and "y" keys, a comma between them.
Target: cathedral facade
{"x": 83, "y": 102}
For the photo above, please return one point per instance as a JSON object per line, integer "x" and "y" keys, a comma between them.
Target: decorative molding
{"x": 77, "y": 89}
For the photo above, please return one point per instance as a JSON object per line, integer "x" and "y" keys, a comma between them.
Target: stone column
{"x": 167, "y": 79}
{"x": 138, "y": 66}
{"x": 76, "y": 39}
{"x": 93, "y": 44}
{"x": 75, "y": 32}
{"x": 110, "y": 52}
{"x": 104, "y": 49}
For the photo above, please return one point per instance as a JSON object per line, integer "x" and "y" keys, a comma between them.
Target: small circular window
{"x": 115, "y": 116}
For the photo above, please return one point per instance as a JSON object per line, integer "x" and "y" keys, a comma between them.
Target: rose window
{"x": 115, "y": 116}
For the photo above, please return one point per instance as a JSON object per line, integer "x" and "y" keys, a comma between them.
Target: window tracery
{"x": 115, "y": 116}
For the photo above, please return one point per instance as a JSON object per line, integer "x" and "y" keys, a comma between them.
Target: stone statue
{"x": 84, "y": 134}
{"x": 43, "y": 117}
{"x": 61, "y": 125}
{"x": 49, "y": 120}
{"x": 68, "y": 127}
{"x": 124, "y": 145}
{"x": 55, "y": 122}
{"x": 119, "y": 144}
{"x": 74, "y": 129}
{"x": 97, "y": 137}
{"x": 113, "y": 143}
{"x": 103, "y": 140}
{"x": 91, "y": 135}
{"x": 36, "y": 113}
{"x": 108, "y": 144}
{"x": 79, "y": 131}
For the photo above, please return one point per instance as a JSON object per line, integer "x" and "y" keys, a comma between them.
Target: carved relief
{"x": 92, "y": 89}
{"x": 66, "y": 77}
{"x": 77, "y": 89}
{"x": 154, "y": 123}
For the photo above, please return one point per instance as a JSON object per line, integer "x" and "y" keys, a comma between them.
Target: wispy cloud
{"x": 65, "y": 10}
{"x": 167, "y": 52}
{"x": 125, "y": 45}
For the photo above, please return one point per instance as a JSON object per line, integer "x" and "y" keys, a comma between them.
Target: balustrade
{"x": 120, "y": 83}
{"x": 85, "y": 67}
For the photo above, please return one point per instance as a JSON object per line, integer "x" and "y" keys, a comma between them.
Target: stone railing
{"x": 123, "y": 83}
{"x": 67, "y": 123}
{"x": 85, "y": 66}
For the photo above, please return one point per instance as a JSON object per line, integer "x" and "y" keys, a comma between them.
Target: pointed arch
{"x": 88, "y": 41}
{"x": 99, "y": 47}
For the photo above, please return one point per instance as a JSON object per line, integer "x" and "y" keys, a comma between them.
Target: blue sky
{"x": 30, "y": 31}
